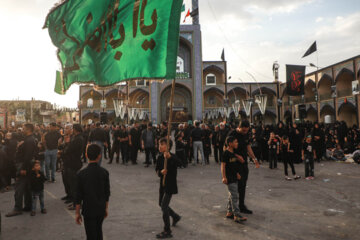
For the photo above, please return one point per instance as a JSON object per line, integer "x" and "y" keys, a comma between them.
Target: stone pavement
{"x": 326, "y": 208}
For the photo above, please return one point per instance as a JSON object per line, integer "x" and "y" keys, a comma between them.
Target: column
{"x": 154, "y": 103}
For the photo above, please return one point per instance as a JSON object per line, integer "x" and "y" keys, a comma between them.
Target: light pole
{"x": 276, "y": 67}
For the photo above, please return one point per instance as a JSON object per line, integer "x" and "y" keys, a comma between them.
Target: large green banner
{"x": 108, "y": 41}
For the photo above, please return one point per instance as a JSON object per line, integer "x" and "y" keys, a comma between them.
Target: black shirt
{"x": 51, "y": 140}
{"x": 116, "y": 136}
{"x": 26, "y": 152}
{"x": 170, "y": 181}
{"x": 98, "y": 135}
{"x": 124, "y": 134}
{"x": 274, "y": 144}
{"x": 232, "y": 166}
{"x": 196, "y": 134}
{"x": 93, "y": 190}
{"x": 308, "y": 150}
{"x": 135, "y": 136}
{"x": 73, "y": 152}
{"x": 37, "y": 183}
{"x": 243, "y": 140}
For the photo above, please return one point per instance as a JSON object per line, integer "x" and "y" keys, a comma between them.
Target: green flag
{"x": 183, "y": 8}
{"x": 109, "y": 41}
{"x": 59, "y": 84}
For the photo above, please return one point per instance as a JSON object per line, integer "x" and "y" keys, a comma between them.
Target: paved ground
{"x": 293, "y": 210}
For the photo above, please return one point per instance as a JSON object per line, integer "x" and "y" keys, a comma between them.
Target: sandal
{"x": 287, "y": 178}
{"x": 239, "y": 219}
{"x": 230, "y": 215}
{"x": 164, "y": 235}
{"x": 297, "y": 177}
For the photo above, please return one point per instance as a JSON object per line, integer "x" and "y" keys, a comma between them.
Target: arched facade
{"x": 324, "y": 87}
{"x": 311, "y": 114}
{"x": 309, "y": 88}
{"x": 347, "y": 113}
{"x": 182, "y": 107}
{"x": 139, "y": 99}
{"x": 95, "y": 96}
{"x": 325, "y": 111}
{"x": 344, "y": 83}
{"x": 213, "y": 97}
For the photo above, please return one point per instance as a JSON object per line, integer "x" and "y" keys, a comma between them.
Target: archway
{"x": 309, "y": 93}
{"x": 347, "y": 113}
{"x": 182, "y": 104}
{"x": 344, "y": 83}
{"x": 139, "y": 99}
{"x": 271, "y": 95}
{"x": 324, "y": 87}
{"x": 95, "y": 96}
{"x": 91, "y": 115}
{"x": 311, "y": 115}
{"x": 288, "y": 117}
{"x": 213, "y": 98}
{"x": 327, "y": 110}
{"x": 237, "y": 93}
{"x": 185, "y": 54}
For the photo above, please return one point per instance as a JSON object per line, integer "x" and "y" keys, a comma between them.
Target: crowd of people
{"x": 32, "y": 154}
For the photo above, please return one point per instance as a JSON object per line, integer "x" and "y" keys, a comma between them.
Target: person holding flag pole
{"x": 94, "y": 42}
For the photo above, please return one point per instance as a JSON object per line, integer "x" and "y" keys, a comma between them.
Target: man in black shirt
{"x": 215, "y": 143}
{"x": 221, "y": 139}
{"x": 166, "y": 191}
{"x": 72, "y": 161}
{"x": 51, "y": 142}
{"x": 134, "y": 142}
{"x": 98, "y": 136}
{"x": 115, "y": 145}
{"x": 196, "y": 140}
{"x": 124, "y": 144}
{"x": 92, "y": 195}
{"x": 244, "y": 148}
{"x": 24, "y": 157}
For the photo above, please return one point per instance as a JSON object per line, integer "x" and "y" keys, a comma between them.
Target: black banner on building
{"x": 295, "y": 78}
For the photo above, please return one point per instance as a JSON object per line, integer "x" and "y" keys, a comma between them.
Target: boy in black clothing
{"x": 230, "y": 171}
{"x": 169, "y": 188}
{"x": 287, "y": 157}
{"x": 274, "y": 144}
{"x": 92, "y": 195}
{"x": 308, "y": 154}
{"x": 180, "y": 149}
{"x": 37, "y": 180}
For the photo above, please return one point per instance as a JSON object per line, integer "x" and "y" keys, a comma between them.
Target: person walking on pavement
{"x": 51, "y": 143}
{"x": 92, "y": 194}
{"x": 196, "y": 140}
{"x": 98, "y": 136}
{"x": 24, "y": 156}
{"x": 148, "y": 143}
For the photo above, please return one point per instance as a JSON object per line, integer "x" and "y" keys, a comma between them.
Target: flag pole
{"x": 169, "y": 126}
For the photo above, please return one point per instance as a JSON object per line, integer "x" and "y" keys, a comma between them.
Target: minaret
{"x": 195, "y": 12}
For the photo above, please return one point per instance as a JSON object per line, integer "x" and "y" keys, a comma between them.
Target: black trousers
{"x": 164, "y": 202}
{"x": 93, "y": 227}
{"x": 272, "y": 159}
{"x": 115, "y": 149}
{"x": 22, "y": 193}
{"x": 107, "y": 150}
{"x": 134, "y": 153}
{"x": 181, "y": 155}
{"x": 124, "y": 149}
{"x": 147, "y": 155}
{"x": 216, "y": 153}
{"x": 287, "y": 158}
{"x": 71, "y": 180}
{"x": 65, "y": 182}
{"x": 221, "y": 152}
{"x": 244, "y": 172}
{"x": 309, "y": 167}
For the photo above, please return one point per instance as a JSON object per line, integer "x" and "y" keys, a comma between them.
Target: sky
{"x": 253, "y": 33}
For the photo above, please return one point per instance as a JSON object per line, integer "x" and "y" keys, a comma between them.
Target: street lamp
{"x": 276, "y": 67}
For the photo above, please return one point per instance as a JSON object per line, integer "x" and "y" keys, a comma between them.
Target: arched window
{"x": 210, "y": 79}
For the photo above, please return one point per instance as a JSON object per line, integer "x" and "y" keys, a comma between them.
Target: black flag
{"x": 295, "y": 78}
{"x": 312, "y": 49}
{"x": 223, "y": 55}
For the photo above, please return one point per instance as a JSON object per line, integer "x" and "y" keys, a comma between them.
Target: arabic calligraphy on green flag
{"x": 109, "y": 41}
